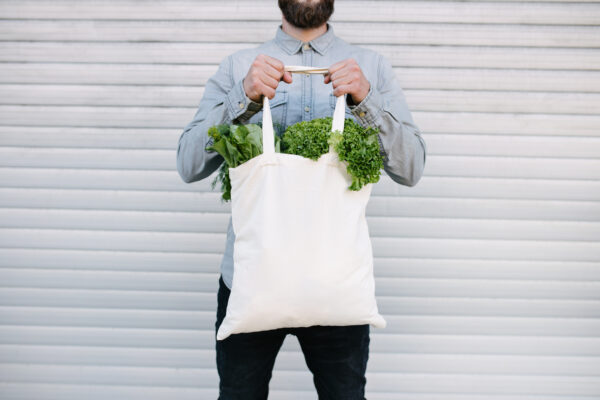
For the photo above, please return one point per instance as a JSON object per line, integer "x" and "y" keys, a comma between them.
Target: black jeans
{"x": 336, "y": 355}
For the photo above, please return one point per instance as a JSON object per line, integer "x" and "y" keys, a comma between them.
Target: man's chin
{"x": 306, "y": 15}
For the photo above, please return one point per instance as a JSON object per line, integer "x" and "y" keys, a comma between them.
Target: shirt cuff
{"x": 240, "y": 107}
{"x": 367, "y": 111}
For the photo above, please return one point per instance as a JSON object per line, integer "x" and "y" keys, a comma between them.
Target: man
{"x": 336, "y": 355}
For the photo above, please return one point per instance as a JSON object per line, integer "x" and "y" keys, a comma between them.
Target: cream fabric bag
{"x": 302, "y": 253}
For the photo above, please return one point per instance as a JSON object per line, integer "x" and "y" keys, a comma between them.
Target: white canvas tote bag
{"x": 302, "y": 253}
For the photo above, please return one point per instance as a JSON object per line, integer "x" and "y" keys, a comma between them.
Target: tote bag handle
{"x": 267, "y": 128}
{"x": 339, "y": 114}
{"x": 267, "y": 122}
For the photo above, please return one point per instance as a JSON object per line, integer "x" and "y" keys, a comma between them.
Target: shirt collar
{"x": 292, "y": 45}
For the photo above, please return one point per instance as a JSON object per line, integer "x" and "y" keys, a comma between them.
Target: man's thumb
{"x": 287, "y": 77}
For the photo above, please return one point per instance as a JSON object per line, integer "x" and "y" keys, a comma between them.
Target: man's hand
{"x": 346, "y": 77}
{"x": 263, "y": 77}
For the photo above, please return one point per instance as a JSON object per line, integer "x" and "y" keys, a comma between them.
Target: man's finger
{"x": 269, "y": 92}
{"x": 341, "y": 81}
{"x": 345, "y": 70}
{"x": 269, "y": 80}
{"x": 275, "y": 63}
{"x": 272, "y": 72}
{"x": 340, "y": 90}
{"x": 265, "y": 90}
{"x": 337, "y": 66}
{"x": 287, "y": 77}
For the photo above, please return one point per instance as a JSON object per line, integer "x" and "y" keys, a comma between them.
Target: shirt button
{"x": 307, "y": 108}
{"x": 361, "y": 114}
{"x": 241, "y": 105}
{"x": 306, "y": 46}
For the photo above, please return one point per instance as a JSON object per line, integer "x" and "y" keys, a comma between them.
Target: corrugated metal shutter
{"x": 488, "y": 271}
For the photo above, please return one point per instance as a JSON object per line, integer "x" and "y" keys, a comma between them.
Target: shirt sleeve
{"x": 385, "y": 107}
{"x": 224, "y": 102}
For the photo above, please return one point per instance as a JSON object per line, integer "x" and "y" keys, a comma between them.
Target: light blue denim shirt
{"x": 306, "y": 98}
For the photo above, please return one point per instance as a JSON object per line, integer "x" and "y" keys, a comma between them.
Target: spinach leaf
{"x": 358, "y": 148}
{"x": 236, "y": 144}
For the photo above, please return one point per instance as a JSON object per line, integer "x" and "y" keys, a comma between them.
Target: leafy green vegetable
{"x": 223, "y": 177}
{"x": 236, "y": 144}
{"x": 307, "y": 138}
{"x": 358, "y": 147}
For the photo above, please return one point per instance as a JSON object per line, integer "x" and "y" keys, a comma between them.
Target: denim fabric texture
{"x": 306, "y": 98}
{"x": 336, "y": 355}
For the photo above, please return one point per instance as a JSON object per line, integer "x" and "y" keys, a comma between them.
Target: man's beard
{"x": 306, "y": 14}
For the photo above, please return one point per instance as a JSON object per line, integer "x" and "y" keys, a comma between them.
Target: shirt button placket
{"x": 307, "y": 83}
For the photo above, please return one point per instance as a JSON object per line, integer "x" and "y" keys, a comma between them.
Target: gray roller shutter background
{"x": 488, "y": 271}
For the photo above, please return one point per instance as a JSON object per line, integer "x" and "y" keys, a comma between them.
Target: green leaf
{"x": 221, "y": 148}
{"x": 335, "y": 138}
{"x": 238, "y": 136}
{"x": 237, "y": 144}
{"x": 254, "y": 139}
{"x": 307, "y": 138}
{"x": 277, "y": 144}
{"x": 234, "y": 153}
{"x": 358, "y": 147}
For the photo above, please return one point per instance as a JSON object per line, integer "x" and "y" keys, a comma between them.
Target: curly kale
{"x": 307, "y": 138}
{"x": 358, "y": 147}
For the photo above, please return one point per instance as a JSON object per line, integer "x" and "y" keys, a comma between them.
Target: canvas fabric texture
{"x": 302, "y": 253}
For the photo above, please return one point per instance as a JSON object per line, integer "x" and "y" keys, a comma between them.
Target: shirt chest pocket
{"x": 278, "y": 111}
